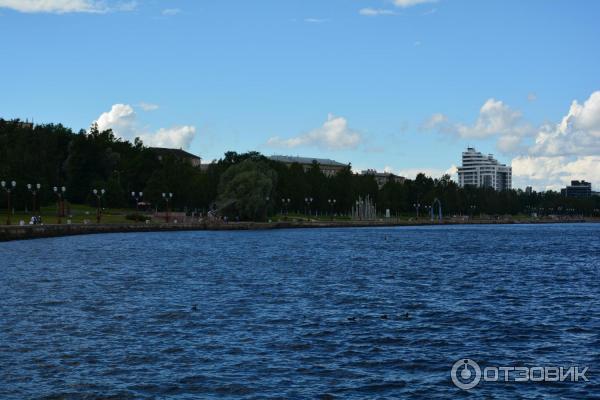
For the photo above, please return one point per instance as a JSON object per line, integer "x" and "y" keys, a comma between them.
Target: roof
{"x": 379, "y": 174}
{"x": 307, "y": 160}
{"x": 179, "y": 153}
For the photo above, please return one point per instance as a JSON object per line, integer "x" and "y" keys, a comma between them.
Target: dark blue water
{"x": 298, "y": 313}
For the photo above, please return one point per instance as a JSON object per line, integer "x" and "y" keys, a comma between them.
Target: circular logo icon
{"x": 465, "y": 374}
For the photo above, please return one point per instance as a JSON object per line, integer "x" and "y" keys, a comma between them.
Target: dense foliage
{"x": 245, "y": 189}
{"x": 245, "y": 185}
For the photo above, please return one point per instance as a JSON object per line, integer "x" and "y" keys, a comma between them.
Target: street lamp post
{"x": 267, "y": 200}
{"x": 98, "y": 194}
{"x": 417, "y": 206}
{"x": 60, "y": 209}
{"x": 428, "y": 211}
{"x": 331, "y": 204}
{"x": 137, "y": 197}
{"x": 8, "y": 188}
{"x": 286, "y": 205}
{"x": 308, "y": 201}
{"x": 34, "y": 191}
{"x": 167, "y": 197}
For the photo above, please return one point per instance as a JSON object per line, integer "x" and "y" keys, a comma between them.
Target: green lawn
{"x": 304, "y": 217}
{"x": 77, "y": 213}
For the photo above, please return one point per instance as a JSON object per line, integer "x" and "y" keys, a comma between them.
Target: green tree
{"x": 245, "y": 188}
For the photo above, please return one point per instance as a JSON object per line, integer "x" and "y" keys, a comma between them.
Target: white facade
{"x": 483, "y": 171}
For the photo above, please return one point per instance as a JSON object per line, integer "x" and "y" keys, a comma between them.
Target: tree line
{"x": 248, "y": 185}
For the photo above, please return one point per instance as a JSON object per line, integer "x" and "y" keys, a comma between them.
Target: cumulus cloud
{"x": 66, "y": 6}
{"x": 495, "y": 119}
{"x": 554, "y": 173}
{"x": 375, "y": 12}
{"x": 568, "y": 150}
{"x": 334, "y": 134}
{"x": 174, "y": 137}
{"x": 510, "y": 143}
{"x": 122, "y": 119}
{"x": 578, "y": 133}
{"x": 410, "y": 3}
{"x": 546, "y": 157}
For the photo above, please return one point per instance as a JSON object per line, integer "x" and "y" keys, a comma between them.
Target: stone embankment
{"x": 8, "y": 233}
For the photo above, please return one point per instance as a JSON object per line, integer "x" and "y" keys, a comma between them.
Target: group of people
{"x": 35, "y": 220}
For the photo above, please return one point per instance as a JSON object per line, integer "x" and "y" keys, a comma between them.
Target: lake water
{"x": 328, "y": 313}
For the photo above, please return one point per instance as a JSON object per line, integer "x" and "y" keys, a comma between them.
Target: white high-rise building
{"x": 483, "y": 171}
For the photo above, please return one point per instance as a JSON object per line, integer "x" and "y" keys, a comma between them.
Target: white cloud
{"x": 554, "y": 173}
{"x": 411, "y": 173}
{"x": 375, "y": 12}
{"x": 569, "y": 150}
{"x": 66, "y": 6}
{"x": 547, "y": 157}
{"x": 452, "y": 171}
{"x": 175, "y": 137}
{"x": 510, "y": 143}
{"x": 577, "y": 134}
{"x": 148, "y": 106}
{"x": 495, "y": 119}
{"x": 410, "y": 3}
{"x": 122, "y": 119}
{"x": 531, "y": 97}
{"x": 334, "y": 134}
{"x": 171, "y": 11}
{"x": 316, "y": 20}
{"x": 437, "y": 121}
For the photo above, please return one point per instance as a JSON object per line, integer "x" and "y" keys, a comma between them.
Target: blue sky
{"x": 401, "y": 84}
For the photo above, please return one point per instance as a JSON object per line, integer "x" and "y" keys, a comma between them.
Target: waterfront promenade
{"x": 25, "y": 232}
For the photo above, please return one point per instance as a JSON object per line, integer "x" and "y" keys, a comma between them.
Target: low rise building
{"x": 327, "y": 166}
{"x": 383, "y": 177}
{"x": 180, "y": 154}
{"x": 578, "y": 189}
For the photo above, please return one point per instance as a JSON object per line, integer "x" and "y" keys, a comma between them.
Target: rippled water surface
{"x": 330, "y": 313}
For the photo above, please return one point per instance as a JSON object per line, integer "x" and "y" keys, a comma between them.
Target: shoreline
{"x": 29, "y": 232}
